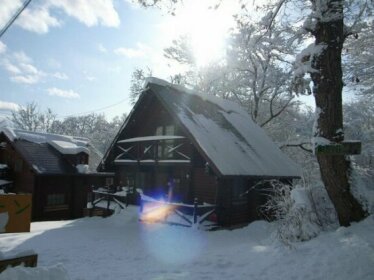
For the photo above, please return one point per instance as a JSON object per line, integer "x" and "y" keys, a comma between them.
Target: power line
{"x": 95, "y": 110}
{"x": 15, "y": 16}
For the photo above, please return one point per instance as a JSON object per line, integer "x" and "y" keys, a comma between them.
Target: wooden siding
{"x": 238, "y": 203}
{"x": 204, "y": 186}
{"x": 19, "y": 171}
{"x": 75, "y": 190}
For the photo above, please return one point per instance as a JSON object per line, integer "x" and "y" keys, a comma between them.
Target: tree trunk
{"x": 328, "y": 85}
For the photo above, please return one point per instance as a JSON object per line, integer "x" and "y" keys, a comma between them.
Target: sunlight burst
{"x": 207, "y": 28}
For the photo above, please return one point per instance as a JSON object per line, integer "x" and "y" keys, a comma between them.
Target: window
{"x": 165, "y": 146}
{"x": 55, "y": 199}
{"x": 108, "y": 181}
{"x": 159, "y": 130}
{"x": 169, "y": 130}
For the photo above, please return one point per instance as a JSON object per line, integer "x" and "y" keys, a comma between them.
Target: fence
{"x": 102, "y": 203}
{"x": 28, "y": 261}
{"x": 189, "y": 215}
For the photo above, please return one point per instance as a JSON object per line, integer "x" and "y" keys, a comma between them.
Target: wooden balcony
{"x": 153, "y": 150}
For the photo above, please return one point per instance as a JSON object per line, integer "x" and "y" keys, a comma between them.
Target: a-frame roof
{"x": 222, "y": 131}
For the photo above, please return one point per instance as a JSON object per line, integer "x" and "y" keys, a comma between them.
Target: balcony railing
{"x": 163, "y": 149}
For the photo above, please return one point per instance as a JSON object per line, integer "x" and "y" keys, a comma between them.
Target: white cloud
{"x": 60, "y": 76}
{"x": 88, "y": 77}
{"x": 11, "y": 68}
{"x": 25, "y": 79}
{"x": 37, "y": 20}
{"x": 133, "y": 4}
{"x": 2, "y": 47}
{"x": 29, "y": 68}
{"x": 21, "y": 57}
{"x": 8, "y": 106}
{"x": 21, "y": 69}
{"x": 8, "y": 8}
{"x": 101, "y": 48}
{"x": 53, "y": 63}
{"x": 130, "y": 53}
{"x": 141, "y": 50}
{"x": 89, "y": 12}
{"x": 62, "y": 93}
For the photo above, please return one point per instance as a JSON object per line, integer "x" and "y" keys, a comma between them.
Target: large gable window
{"x": 164, "y": 147}
{"x": 55, "y": 199}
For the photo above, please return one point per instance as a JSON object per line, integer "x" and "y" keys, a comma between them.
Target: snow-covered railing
{"x": 189, "y": 215}
{"x": 105, "y": 199}
{"x": 158, "y": 149}
{"x": 27, "y": 258}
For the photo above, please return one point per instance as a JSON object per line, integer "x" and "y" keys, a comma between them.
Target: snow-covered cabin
{"x": 58, "y": 171}
{"x": 202, "y": 146}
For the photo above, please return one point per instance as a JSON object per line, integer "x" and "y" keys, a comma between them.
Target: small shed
{"x": 200, "y": 146}
{"x": 55, "y": 169}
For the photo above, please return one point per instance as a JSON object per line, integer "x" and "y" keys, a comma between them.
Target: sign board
{"x": 343, "y": 148}
{"x": 15, "y": 213}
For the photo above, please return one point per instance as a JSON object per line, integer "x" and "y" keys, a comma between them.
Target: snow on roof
{"x": 4, "y": 182}
{"x": 9, "y": 132}
{"x": 68, "y": 148}
{"x": 225, "y": 104}
{"x": 63, "y": 143}
{"x": 151, "y": 138}
{"x": 225, "y": 132}
{"x": 3, "y": 166}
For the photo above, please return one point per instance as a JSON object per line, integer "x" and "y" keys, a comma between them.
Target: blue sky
{"x": 78, "y": 57}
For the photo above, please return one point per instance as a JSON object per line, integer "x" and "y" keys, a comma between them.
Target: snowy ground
{"x": 119, "y": 247}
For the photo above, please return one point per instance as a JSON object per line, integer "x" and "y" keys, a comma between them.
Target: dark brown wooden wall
{"x": 204, "y": 186}
{"x": 47, "y": 185}
{"x": 75, "y": 188}
{"x": 236, "y": 209}
{"x": 20, "y": 172}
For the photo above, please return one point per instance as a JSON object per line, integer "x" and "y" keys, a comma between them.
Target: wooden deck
{"x": 28, "y": 261}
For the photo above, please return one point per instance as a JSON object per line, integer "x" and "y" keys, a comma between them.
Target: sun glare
{"x": 207, "y": 28}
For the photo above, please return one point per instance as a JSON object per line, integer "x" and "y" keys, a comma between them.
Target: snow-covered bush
{"x": 301, "y": 212}
{"x": 362, "y": 182}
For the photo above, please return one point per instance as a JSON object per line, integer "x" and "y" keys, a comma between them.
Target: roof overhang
{"x": 150, "y": 138}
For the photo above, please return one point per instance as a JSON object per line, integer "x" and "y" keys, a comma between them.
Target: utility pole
{"x": 14, "y": 17}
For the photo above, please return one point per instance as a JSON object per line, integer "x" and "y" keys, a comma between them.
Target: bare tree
{"x": 137, "y": 82}
{"x": 31, "y": 119}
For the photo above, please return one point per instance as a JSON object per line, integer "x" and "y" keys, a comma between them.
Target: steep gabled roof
{"x": 222, "y": 131}
{"x": 43, "y": 158}
{"x": 44, "y": 152}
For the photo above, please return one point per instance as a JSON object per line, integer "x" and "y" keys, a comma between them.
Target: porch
{"x": 153, "y": 150}
{"x": 104, "y": 202}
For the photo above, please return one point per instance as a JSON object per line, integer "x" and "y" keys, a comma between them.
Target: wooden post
{"x": 107, "y": 205}
{"x": 90, "y": 200}
{"x": 195, "y": 211}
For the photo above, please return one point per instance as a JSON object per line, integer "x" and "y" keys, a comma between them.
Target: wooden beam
{"x": 343, "y": 148}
